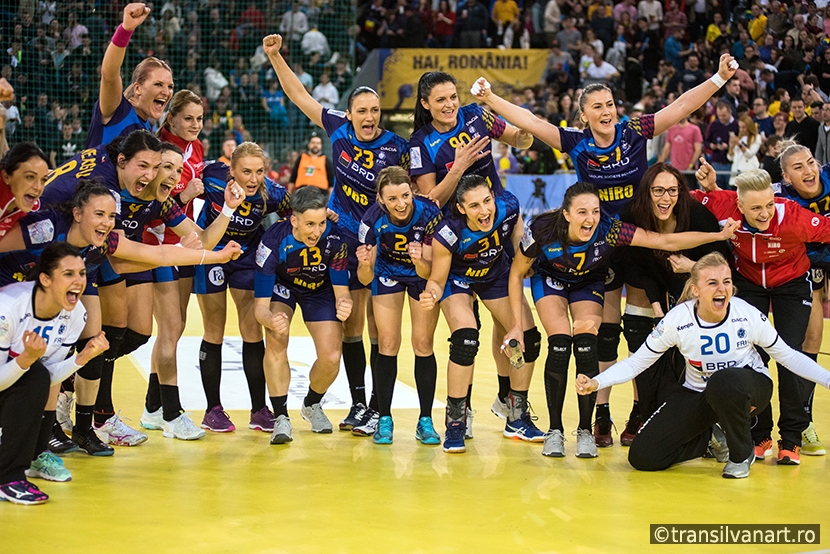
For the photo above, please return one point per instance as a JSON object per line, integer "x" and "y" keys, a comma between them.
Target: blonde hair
{"x": 392, "y": 175}
{"x": 250, "y": 150}
{"x": 712, "y": 259}
{"x": 751, "y": 128}
{"x": 787, "y": 148}
{"x": 177, "y": 104}
{"x": 142, "y": 72}
{"x": 752, "y": 180}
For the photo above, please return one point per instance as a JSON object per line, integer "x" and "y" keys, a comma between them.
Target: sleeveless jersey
{"x": 92, "y": 163}
{"x": 7, "y": 221}
{"x": 123, "y": 121}
{"x": 393, "y": 259}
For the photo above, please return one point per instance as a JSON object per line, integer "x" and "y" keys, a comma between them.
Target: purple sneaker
{"x": 22, "y": 492}
{"x": 217, "y": 420}
{"x": 263, "y": 420}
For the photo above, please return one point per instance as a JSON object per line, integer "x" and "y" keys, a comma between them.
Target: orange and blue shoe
{"x": 763, "y": 449}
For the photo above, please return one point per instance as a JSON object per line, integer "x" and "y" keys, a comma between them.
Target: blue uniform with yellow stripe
{"x": 92, "y": 163}
{"x": 124, "y": 121}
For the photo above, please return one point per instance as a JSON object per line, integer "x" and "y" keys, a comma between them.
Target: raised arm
{"x": 111, "y": 86}
{"x": 516, "y": 137}
{"x": 292, "y": 86}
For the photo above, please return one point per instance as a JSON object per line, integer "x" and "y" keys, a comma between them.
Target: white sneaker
{"x": 319, "y": 422}
{"x": 586, "y": 446}
{"x": 499, "y": 408}
{"x": 554, "y": 444}
{"x": 468, "y": 432}
{"x": 114, "y": 431}
{"x": 63, "y": 412}
{"x": 152, "y": 420}
{"x": 182, "y": 428}
{"x": 282, "y": 430}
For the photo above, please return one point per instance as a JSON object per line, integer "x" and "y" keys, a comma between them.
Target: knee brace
{"x": 115, "y": 335}
{"x": 533, "y": 344}
{"x": 132, "y": 341}
{"x": 636, "y": 328}
{"x": 559, "y": 353}
{"x": 464, "y": 346}
{"x": 585, "y": 354}
{"x": 608, "y": 341}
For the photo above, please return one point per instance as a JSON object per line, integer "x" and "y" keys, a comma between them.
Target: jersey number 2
{"x": 720, "y": 342}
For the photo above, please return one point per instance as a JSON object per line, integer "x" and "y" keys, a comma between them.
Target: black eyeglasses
{"x": 658, "y": 192}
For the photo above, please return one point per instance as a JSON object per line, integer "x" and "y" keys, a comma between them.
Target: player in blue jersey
{"x": 302, "y": 261}
{"x": 612, "y": 156}
{"x": 360, "y": 150}
{"x": 568, "y": 250}
{"x": 395, "y": 258}
{"x": 262, "y": 196}
{"x": 471, "y": 255}
{"x": 118, "y": 112}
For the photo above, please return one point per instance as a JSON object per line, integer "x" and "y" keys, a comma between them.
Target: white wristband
{"x": 718, "y": 80}
{"x": 227, "y": 211}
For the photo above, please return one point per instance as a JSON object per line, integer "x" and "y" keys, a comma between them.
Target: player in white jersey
{"x": 40, "y": 322}
{"x": 726, "y": 379}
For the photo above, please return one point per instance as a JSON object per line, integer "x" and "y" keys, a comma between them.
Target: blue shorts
{"x": 386, "y": 285}
{"x": 318, "y": 305}
{"x": 173, "y": 273}
{"x": 488, "y": 290}
{"x": 139, "y": 278}
{"x": 542, "y": 285}
{"x": 236, "y": 274}
{"x": 352, "y": 243}
{"x": 107, "y": 275}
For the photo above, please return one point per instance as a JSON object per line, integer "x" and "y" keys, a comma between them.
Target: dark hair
{"x": 132, "y": 144}
{"x": 641, "y": 204}
{"x": 425, "y": 85}
{"x": 19, "y": 154}
{"x": 357, "y": 92}
{"x": 50, "y": 258}
{"x": 308, "y": 198}
{"x": 465, "y": 184}
{"x": 552, "y": 226}
{"x": 723, "y": 104}
{"x": 170, "y": 147}
{"x": 84, "y": 190}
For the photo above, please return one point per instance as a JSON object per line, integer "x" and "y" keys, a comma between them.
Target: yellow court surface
{"x": 339, "y": 493}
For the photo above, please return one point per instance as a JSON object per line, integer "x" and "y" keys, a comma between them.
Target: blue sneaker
{"x": 454, "y": 438}
{"x": 524, "y": 429}
{"x": 425, "y": 432}
{"x": 383, "y": 434}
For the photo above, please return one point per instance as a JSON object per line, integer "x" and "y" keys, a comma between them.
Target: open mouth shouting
{"x": 719, "y": 302}
{"x": 586, "y": 231}
{"x": 485, "y": 222}
{"x": 664, "y": 208}
{"x": 72, "y": 296}
{"x": 139, "y": 186}
{"x": 158, "y": 106}
{"x": 27, "y": 203}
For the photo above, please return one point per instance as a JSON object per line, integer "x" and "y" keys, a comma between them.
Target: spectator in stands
{"x": 780, "y": 122}
{"x": 761, "y": 116}
{"x": 743, "y": 148}
{"x": 503, "y": 13}
{"x": 739, "y": 48}
{"x": 599, "y": 71}
{"x": 569, "y": 38}
{"x": 732, "y": 94}
{"x": 215, "y": 81}
{"x": 684, "y": 144}
{"x": 674, "y": 20}
{"x": 675, "y": 50}
{"x": 73, "y": 32}
{"x": 444, "y": 30}
{"x": 690, "y": 77}
{"x": 315, "y": 41}
{"x": 822, "y": 152}
{"x": 326, "y": 93}
{"x": 312, "y": 167}
{"x": 553, "y": 19}
{"x": 717, "y": 140}
{"x": 472, "y": 24}
{"x": 228, "y": 146}
{"x": 769, "y": 158}
{"x": 802, "y": 128}
{"x": 342, "y": 77}
{"x": 506, "y": 162}
{"x": 28, "y": 132}
{"x": 294, "y": 25}
{"x": 305, "y": 78}
{"x": 652, "y": 10}
{"x": 758, "y": 23}
{"x": 63, "y": 149}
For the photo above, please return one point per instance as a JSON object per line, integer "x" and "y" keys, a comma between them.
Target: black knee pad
{"x": 533, "y": 344}
{"x": 114, "y": 336}
{"x": 559, "y": 353}
{"x": 464, "y": 346}
{"x": 585, "y": 354}
{"x": 92, "y": 370}
{"x": 132, "y": 341}
{"x": 636, "y": 328}
{"x": 608, "y": 341}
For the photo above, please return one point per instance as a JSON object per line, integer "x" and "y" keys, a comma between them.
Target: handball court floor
{"x": 339, "y": 493}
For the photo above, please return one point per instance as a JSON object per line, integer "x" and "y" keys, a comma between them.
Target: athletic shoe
{"x": 586, "y": 447}
{"x": 59, "y": 443}
{"x": 182, "y": 428}
{"x": 425, "y": 431}
{"x": 89, "y": 442}
{"x": 23, "y": 492}
{"x": 718, "y": 448}
{"x": 454, "y": 438}
{"x": 50, "y": 467}
{"x": 383, "y": 434}
{"x": 218, "y": 421}
{"x": 468, "y": 430}
{"x": 319, "y": 422}
{"x": 63, "y": 412}
{"x": 368, "y": 425}
{"x": 739, "y": 470}
{"x": 632, "y": 427}
{"x": 788, "y": 454}
{"x": 282, "y": 430}
{"x": 524, "y": 429}
{"x": 499, "y": 408}
{"x": 554, "y": 444}
{"x": 763, "y": 449}
{"x": 354, "y": 418}
{"x": 114, "y": 431}
{"x": 810, "y": 443}
{"x": 152, "y": 420}
{"x": 263, "y": 420}
{"x": 602, "y": 432}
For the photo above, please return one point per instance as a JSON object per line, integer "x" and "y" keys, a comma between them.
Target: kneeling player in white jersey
{"x": 726, "y": 380}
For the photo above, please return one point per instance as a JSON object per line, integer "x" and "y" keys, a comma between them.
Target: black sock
{"x": 354, "y": 360}
{"x": 373, "y": 358}
{"x": 252, "y": 354}
{"x": 210, "y": 365}
{"x": 373, "y": 351}
{"x": 813, "y": 357}
{"x": 45, "y": 432}
{"x": 387, "y": 372}
{"x": 83, "y": 417}
{"x": 152, "y": 401}
{"x": 170, "y": 401}
{"x": 426, "y": 374}
{"x": 504, "y": 387}
{"x": 470, "y": 396}
{"x": 280, "y": 405}
{"x": 68, "y": 384}
{"x": 313, "y": 397}
{"x": 635, "y": 411}
{"x": 603, "y": 411}
{"x": 456, "y": 409}
{"x": 103, "y": 403}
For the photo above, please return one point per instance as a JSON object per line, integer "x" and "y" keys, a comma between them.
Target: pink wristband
{"x": 121, "y": 37}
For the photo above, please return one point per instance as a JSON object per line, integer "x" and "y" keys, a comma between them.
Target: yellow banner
{"x": 404, "y": 66}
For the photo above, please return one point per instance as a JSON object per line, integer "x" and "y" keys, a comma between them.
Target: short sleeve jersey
{"x": 434, "y": 152}
{"x": 123, "y": 122}
{"x": 92, "y": 163}
{"x": 356, "y": 167}
{"x": 616, "y": 171}
{"x": 819, "y": 204}
{"x": 281, "y": 257}
{"x": 479, "y": 256}
{"x": 137, "y": 214}
{"x": 245, "y": 226}
{"x": 391, "y": 240}
{"x": 574, "y": 263}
